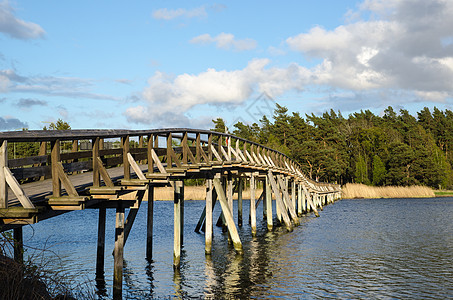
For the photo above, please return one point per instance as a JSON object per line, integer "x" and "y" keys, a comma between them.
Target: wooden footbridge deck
{"x": 100, "y": 169}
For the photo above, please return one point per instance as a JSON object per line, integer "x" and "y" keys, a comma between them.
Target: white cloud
{"x": 17, "y": 28}
{"x": 395, "y": 44}
{"x": 170, "y": 14}
{"x": 225, "y": 41}
{"x": 169, "y": 98}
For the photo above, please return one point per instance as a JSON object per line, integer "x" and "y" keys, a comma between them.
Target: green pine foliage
{"x": 394, "y": 149}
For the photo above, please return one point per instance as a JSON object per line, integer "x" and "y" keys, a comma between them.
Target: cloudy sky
{"x": 152, "y": 64}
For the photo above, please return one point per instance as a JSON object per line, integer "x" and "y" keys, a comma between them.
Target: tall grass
{"x": 356, "y": 190}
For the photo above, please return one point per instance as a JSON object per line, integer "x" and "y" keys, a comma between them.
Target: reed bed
{"x": 355, "y": 190}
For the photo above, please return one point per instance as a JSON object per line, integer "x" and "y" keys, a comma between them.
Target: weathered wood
{"x": 17, "y": 189}
{"x": 18, "y": 244}
{"x": 299, "y": 199}
{"x": 149, "y": 224}
{"x": 252, "y": 204}
{"x": 104, "y": 174}
{"x": 101, "y": 244}
{"x": 135, "y": 167}
{"x": 279, "y": 200}
{"x": 240, "y": 188}
{"x": 177, "y": 225}
{"x": 3, "y": 166}
{"x": 149, "y": 147}
{"x": 64, "y": 179}
{"x": 268, "y": 205}
{"x": 27, "y": 161}
{"x": 216, "y": 154}
{"x": 55, "y": 159}
{"x": 126, "y": 166}
{"x": 118, "y": 253}
{"x": 208, "y": 223}
{"x": 228, "y": 216}
{"x": 287, "y": 201}
{"x": 96, "y": 164}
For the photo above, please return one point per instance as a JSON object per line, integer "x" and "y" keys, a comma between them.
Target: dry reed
{"x": 355, "y": 190}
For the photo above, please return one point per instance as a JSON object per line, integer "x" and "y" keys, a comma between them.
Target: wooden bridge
{"x": 100, "y": 169}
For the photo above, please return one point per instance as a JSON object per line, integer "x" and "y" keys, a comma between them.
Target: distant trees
{"x": 395, "y": 149}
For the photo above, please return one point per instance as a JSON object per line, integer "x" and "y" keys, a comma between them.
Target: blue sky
{"x": 152, "y": 64}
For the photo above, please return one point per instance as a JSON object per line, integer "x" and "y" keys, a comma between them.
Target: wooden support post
{"x": 3, "y": 165}
{"x": 126, "y": 165}
{"x": 101, "y": 244}
{"x": 228, "y": 216}
{"x": 252, "y": 204}
{"x": 55, "y": 158}
{"x": 132, "y": 214}
{"x": 280, "y": 203}
{"x": 287, "y": 202}
{"x": 169, "y": 150}
{"x": 230, "y": 191}
{"x": 264, "y": 201}
{"x": 18, "y": 244}
{"x": 118, "y": 253}
{"x": 304, "y": 199}
{"x": 299, "y": 199}
{"x": 177, "y": 225}
{"x": 268, "y": 205}
{"x": 149, "y": 147}
{"x": 96, "y": 167}
{"x": 293, "y": 194}
{"x": 240, "y": 187}
{"x": 208, "y": 222}
{"x": 149, "y": 227}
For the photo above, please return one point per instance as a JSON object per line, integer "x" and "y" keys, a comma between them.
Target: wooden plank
{"x": 228, "y": 216}
{"x": 216, "y": 154}
{"x": 279, "y": 200}
{"x": 3, "y": 165}
{"x": 26, "y": 161}
{"x": 17, "y": 189}
{"x": 104, "y": 174}
{"x": 135, "y": 167}
{"x": 157, "y": 161}
{"x": 64, "y": 179}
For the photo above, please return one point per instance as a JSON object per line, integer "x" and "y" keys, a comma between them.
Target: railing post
{"x": 55, "y": 159}
{"x": 3, "y": 165}
{"x": 150, "y": 157}
{"x": 126, "y": 149}
{"x": 96, "y": 173}
{"x": 169, "y": 149}
{"x": 185, "y": 147}
{"x": 197, "y": 147}
{"x": 210, "y": 147}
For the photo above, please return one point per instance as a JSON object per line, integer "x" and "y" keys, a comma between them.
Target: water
{"x": 382, "y": 248}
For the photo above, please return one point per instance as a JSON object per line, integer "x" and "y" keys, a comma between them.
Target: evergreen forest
{"x": 394, "y": 149}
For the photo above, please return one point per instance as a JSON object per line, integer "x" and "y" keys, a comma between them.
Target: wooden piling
{"x": 268, "y": 205}
{"x": 208, "y": 222}
{"x": 240, "y": 187}
{"x": 177, "y": 224}
{"x": 252, "y": 204}
{"x": 149, "y": 224}
{"x": 18, "y": 244}
{"x": 101, "y": 244}
{"x": 118, "y": 253}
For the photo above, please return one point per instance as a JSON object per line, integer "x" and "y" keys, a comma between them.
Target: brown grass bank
{"x": 355, "y": 190}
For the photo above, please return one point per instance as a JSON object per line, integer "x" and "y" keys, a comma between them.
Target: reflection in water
{"x": 387, "y": 248}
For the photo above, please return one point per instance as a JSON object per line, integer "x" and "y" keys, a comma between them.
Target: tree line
{"x": 394, "y": 149}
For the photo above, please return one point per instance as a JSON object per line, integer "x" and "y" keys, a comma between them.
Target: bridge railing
{"x": 61, "y": 153}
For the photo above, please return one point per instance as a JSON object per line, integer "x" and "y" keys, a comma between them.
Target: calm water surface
{"x": 382, "y": 248}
